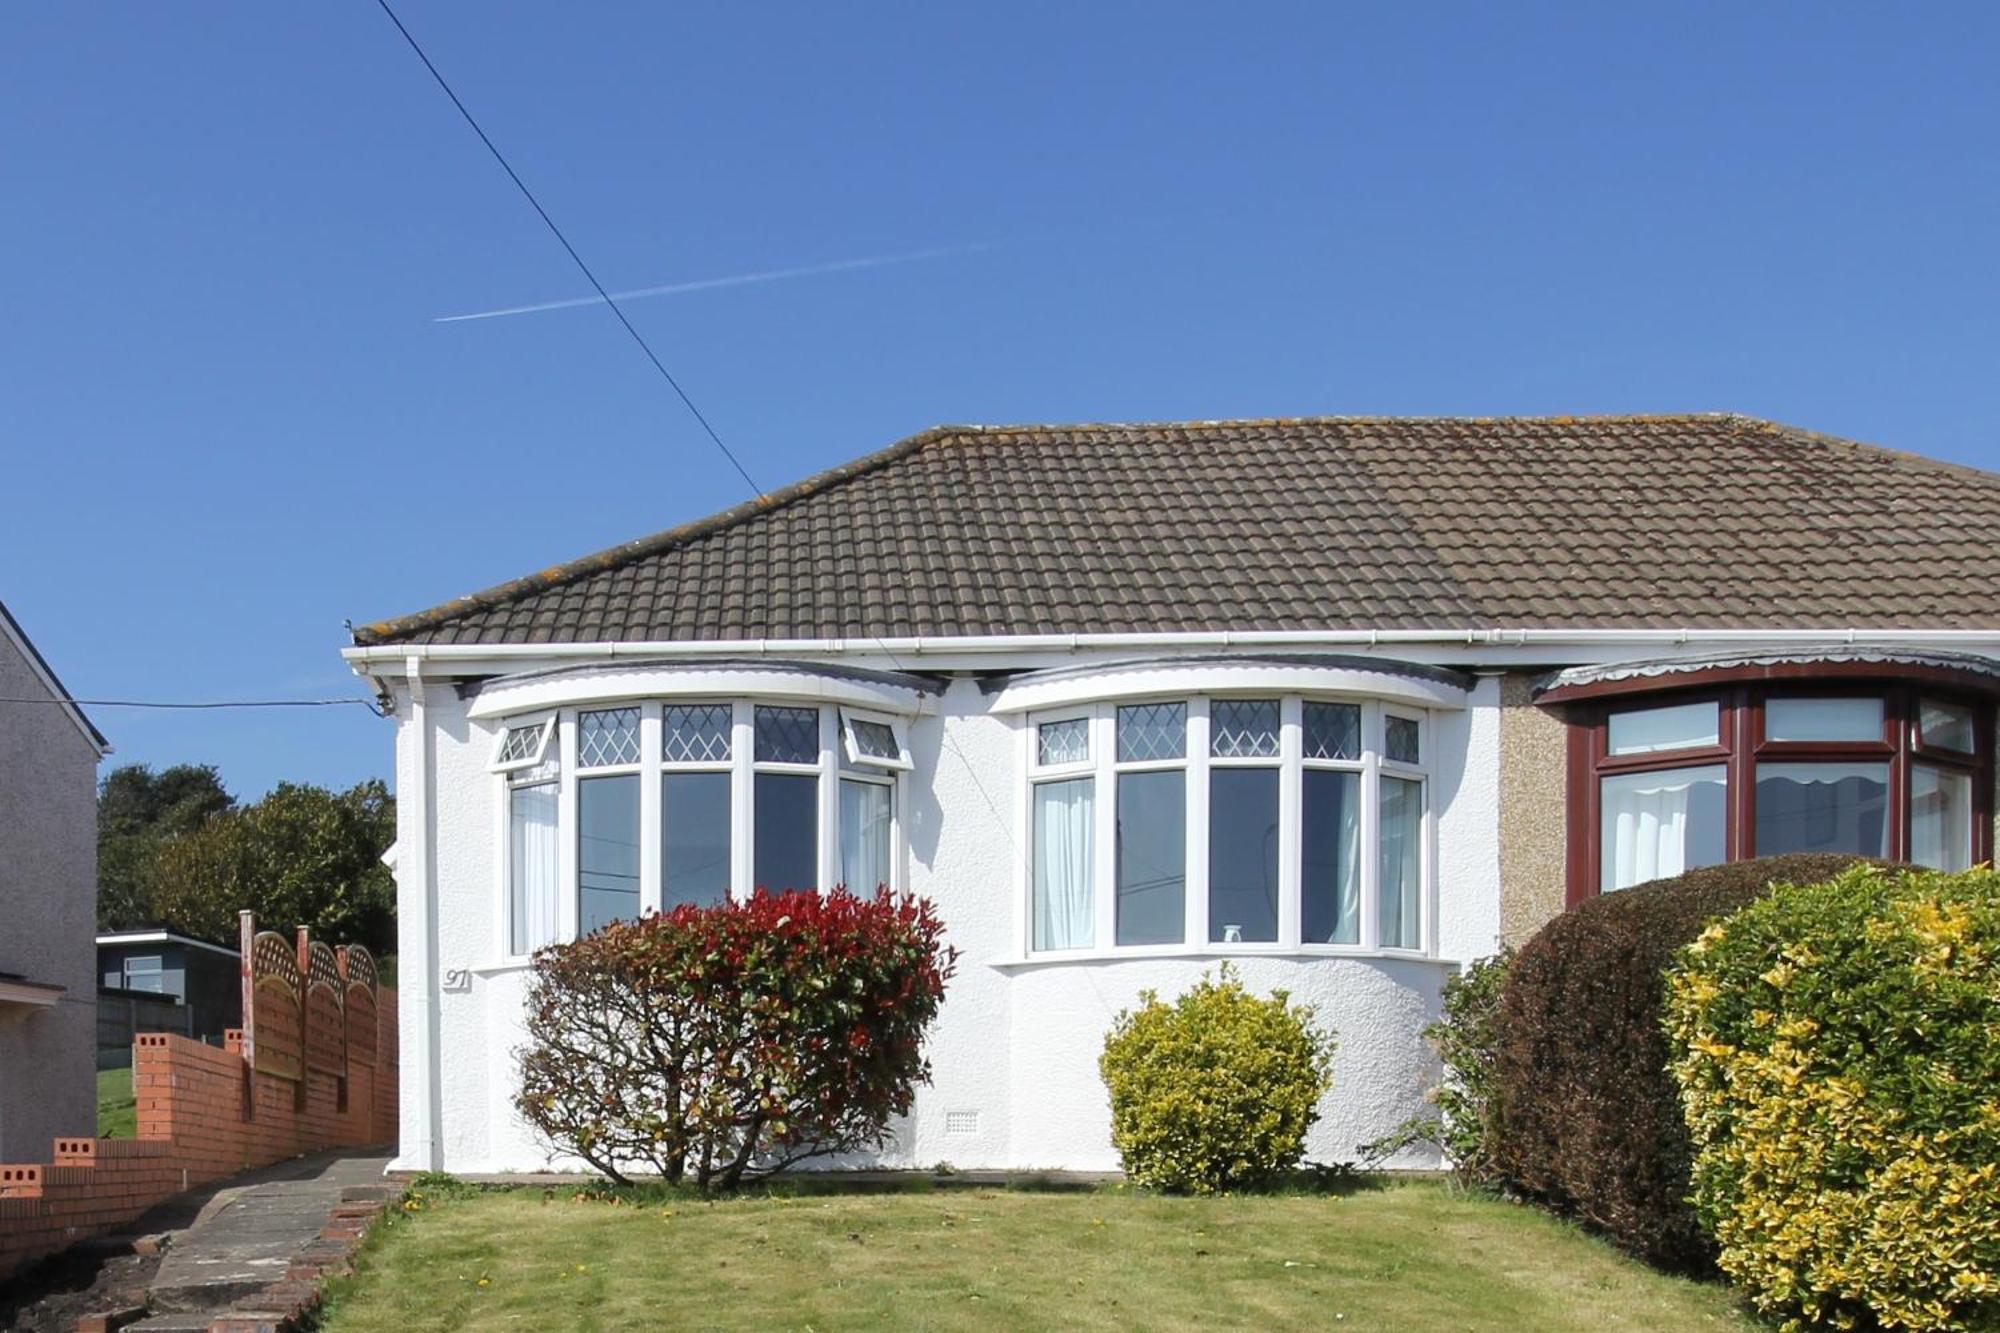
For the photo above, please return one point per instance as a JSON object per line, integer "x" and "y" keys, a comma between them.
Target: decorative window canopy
{"x": 897, "y": 693}
{"x": 1859, "y": 662}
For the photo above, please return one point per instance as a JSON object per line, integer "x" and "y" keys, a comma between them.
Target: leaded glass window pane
{"x": 1399, "y": 739}
{"x": 522, "y": 742}
{"x": 875, "y": 740}
{"x": 696, "y": 733}
{"x": 1332, "y": 731}
{"x": 607, "y": 737}
{"x": 1152, "y": 731}
{"x": 787, "y": 735}
{"x": 1064, "y": 742}
{"x": 1243, "y": 728}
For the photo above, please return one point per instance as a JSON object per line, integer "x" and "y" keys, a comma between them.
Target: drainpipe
{"x": 419, "y": 1118}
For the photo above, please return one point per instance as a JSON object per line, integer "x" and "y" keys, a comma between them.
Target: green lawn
{"x": 1411, "y": 1255}
{"x": 117, "y": 1114}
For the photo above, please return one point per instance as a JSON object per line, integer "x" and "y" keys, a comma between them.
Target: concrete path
{"x": 248, "y": 1233}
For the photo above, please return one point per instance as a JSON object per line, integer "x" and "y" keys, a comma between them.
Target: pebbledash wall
{"x": 1014, "y": 1052}
{"x": 204, "y": 1113}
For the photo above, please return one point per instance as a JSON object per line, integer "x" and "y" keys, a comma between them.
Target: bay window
{"x": 1666, "y": 781}
{"x": 613, "y": 811}
{"x": 1212, "y": 822}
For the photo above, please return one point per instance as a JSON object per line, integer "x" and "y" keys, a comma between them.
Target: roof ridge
{"x": 1329, "y": 419}
{"x": 1822, "y": 440}
{"x": 627, "y": 553}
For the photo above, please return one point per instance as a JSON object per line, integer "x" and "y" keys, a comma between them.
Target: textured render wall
{"x": 1016, "y": 1043}
{"x": 48, "y": 904}
{"x": 1533, "y": 810}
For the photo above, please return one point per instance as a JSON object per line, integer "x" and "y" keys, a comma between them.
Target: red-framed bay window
{"x": 1668, "y": 774}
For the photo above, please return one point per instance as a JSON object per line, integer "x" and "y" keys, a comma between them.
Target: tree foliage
{"x": 137, "y": 810}
{"x": 726, "y": 1042}
{"x": 302, "y": 856}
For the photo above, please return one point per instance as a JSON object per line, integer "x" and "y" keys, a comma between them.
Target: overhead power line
{"x": 557, "y": 232}
{"x": 204, "y": 703}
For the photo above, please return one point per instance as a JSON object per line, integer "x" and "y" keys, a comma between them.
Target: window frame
{"x": 1744, "y": 744}
{"x": 547, "y": 723}
{"x": 1104, "y": 768}
{"x": 852, "y": 748}
{"x": 562, "y": 726}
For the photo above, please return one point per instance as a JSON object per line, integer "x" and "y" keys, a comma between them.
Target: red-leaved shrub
{"x": 721, "y": 1043}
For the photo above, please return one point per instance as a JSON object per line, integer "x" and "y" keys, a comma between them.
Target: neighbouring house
{"x": 48, "y": 904}
{"x": 1344, "y": 702}
{"x": 163, "y": 981}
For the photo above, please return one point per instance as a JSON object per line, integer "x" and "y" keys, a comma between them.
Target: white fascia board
{"x": 503, "y": 698}
{"x": 161, "y": 937}
{"x": 1499, "y": 645}
{"x": 1132, "y": 679}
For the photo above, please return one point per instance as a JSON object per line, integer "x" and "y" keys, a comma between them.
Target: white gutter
{"x": 919, "y": 645}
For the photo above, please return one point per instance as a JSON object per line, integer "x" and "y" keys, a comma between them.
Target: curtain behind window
{"x": 1064, "y": 823}
{"x": 532, "y": 891}
{"x": 864, "y": 836}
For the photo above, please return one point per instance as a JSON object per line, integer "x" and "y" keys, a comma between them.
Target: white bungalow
{"x": 1345, "y": 702}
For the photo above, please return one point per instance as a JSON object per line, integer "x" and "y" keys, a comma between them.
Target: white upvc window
{"x": 873, "y": 740}
{"x": 1062, "y": 793}
{"x": 647, "y": 805}
{"x": 522, "y": 744}
{"x": 1218, "y": 823}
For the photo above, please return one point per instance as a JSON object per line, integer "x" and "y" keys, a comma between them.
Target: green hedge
{"x": 1589, "y": 1120}
{"x": 1838, "y": 1050}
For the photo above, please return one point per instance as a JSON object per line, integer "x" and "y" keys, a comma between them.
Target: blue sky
{"x": 230, "y": 419}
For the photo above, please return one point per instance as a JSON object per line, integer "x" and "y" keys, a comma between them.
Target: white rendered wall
{"x": 1016, "y": 1043}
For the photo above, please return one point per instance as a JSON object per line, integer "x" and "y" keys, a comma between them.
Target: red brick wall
{"x": 193, "y": 1129}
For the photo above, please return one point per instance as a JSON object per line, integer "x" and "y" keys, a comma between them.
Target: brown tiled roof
{"x": 1328, "y": 523}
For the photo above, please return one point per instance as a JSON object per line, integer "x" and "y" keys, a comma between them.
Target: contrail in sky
{"x": 735, "y": 280}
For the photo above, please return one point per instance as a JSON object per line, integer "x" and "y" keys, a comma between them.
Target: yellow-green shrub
{"x": 1216, "y": 1090}
{"x": 1837, "y": 1047}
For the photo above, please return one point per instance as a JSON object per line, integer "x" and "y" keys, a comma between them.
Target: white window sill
{"x": 1219, "y": 952}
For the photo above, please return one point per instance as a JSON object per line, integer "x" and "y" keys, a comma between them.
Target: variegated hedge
{"x": 1838, "y": 1051}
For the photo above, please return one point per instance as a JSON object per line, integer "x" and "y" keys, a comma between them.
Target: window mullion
{"x": 1104, "y": 812}
{"x": 1196, "y": 869}
{"x": 742, "y": 800}
{"x": 1291, "y": 748}
{"x": 651, "y": 830}
{"x": 1371, "y": 838}
{"x": 828, "y": 833}
{"x": 569, "y": 893}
